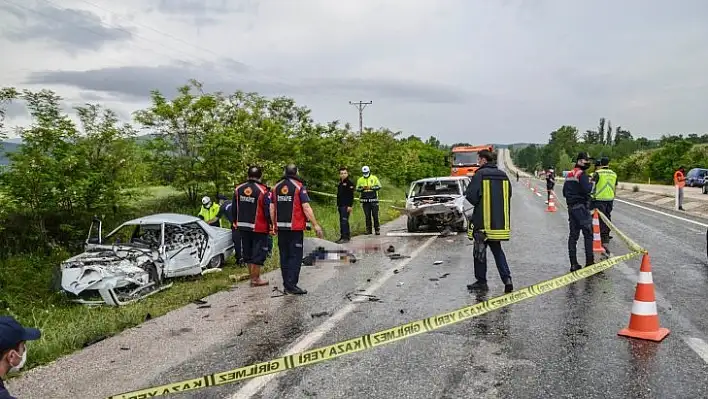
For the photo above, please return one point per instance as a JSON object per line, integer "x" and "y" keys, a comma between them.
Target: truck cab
{"x": 463, "y": 159}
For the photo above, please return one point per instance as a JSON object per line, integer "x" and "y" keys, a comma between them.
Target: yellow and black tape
{"x": 370, "y": 341}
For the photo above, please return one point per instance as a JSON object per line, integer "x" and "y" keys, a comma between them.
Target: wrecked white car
{"x": 438, "y": 202}
{"x": 135, "y": 260}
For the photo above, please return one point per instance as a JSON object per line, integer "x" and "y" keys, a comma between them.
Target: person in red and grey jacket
{"x": 291, "y": 213}
{"x": 251, "y": 216}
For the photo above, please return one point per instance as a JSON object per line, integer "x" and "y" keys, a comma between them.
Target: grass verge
{"x": 26, "y": 285}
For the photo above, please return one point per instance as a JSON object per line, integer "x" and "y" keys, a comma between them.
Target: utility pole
{"x": 361, "y": 105}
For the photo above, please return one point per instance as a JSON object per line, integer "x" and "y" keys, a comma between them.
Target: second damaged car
{"x": 137, "y": 258}
{"x": 439, "y": 203}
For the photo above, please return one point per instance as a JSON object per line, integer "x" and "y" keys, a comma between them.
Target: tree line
{"x": 635, "y": 159}
{"x": 198, "y": 142}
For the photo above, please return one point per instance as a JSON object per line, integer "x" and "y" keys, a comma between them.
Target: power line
{"x": 361, "y": 105}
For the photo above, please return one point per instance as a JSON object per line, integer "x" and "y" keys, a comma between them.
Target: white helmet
{"x": 365, "y": 170}
{"x": 206, "y": 201}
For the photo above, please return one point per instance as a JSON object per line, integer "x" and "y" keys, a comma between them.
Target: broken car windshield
{"x": 436, "y": 188}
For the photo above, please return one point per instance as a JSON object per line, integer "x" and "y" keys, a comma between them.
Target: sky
{"x": 478, "y": 71}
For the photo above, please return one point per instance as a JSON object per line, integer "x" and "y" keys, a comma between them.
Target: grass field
{"x": 26, "y": 292}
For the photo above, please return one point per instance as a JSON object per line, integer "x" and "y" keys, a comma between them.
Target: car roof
{"x": 174, "y": 218}
{"x": 441, "y": 178}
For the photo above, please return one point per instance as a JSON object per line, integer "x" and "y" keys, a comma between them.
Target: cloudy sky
{"x": 462, "y": 70}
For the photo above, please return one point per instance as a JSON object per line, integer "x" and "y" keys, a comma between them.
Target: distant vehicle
{"x": 438, "y": 202}
{"x": 135, "y": 260}
{"x": 695, "y": 177}
{"x": 463, "y": 159}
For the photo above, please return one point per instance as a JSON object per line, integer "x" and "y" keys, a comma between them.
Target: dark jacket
{"x": 550, "y": 180}
{"x": 491, "y": 187}
{"x": 4, "y": 394}
{"x": 577, "y": 188}
{"x": 345, "y": 193}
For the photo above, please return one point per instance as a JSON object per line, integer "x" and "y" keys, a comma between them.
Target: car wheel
{"x": 216, "y": 262}
{"x": 412, "y": 225}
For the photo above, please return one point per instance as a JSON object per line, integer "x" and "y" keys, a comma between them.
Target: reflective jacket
{"x": 251, "y": 207}
{"x": 489, "y": 192}
{"x": 370, "y": 194}
{"x": 209, "y": 214}
{"x": 605, "y": 184}
{"x": 288, "y": 196}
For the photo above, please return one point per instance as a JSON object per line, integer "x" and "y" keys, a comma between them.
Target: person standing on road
{"x": 517, "y": 175}
{"x": 489, "y": 192}
{"x": 550, "y": 183}
{"x": 368, "y": 185}
{"x": 251, "y": 214}
{"x": 679, "y": 183}
{"x": 290, "y": 212}
{"x": 603, "y": 195}
{"x": 576, "y": 190}
{"x": 13, "y": 349}
{"x": 345, "y": 204}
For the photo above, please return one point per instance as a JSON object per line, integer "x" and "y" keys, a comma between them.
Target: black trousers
{"x": 371, "y": 211}
{"x": 344, "y": 230}
{"x": 606, "y": 208}
{"x": 291, "y": 252}
{"x": 238, "y": 248}
{"x": 580, "y": 220}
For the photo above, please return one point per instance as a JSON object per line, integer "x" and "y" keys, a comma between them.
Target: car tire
{"x": 216, "y": 262}
{"x": 412, "y": 225}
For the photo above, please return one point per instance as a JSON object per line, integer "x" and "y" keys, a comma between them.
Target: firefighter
{"x": 291, "y": 214}
{"x": 209, "y": 211}
{"x": 489, "y": 192}
{"x": 251, "y": 215}
{"x": 603, "y": 195}
{"x": 576, "y": 190}
{"x": 368, "y": 185}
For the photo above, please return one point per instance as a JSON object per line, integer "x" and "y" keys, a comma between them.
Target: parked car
{"x": 438, "y": 202}
{"x": 696, "y": 176}
{"x": 137, "y": 258}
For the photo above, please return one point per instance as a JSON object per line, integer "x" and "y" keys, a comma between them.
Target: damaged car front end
{"x": 438, "y": 203}
{"x": 135, "y": 260}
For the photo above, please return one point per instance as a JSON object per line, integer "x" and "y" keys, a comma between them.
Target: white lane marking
{"x": 256, "y": 384}
{"x": 663, "y": 213}
{"x": 699, "y": 346}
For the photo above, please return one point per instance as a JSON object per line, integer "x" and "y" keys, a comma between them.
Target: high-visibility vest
{"x": 605, "y": 185}
{"x": 209, "y": 214}
{"x": 679, "y": 179}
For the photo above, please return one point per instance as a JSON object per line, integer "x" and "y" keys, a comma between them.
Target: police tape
{"x": 374, "y": 340}
{"x": 335, "y": 196}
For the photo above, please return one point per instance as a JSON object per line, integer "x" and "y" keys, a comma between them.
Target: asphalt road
{"x": 561, "y": 344}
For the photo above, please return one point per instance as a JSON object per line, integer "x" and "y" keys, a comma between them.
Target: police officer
{"x": 550, "y": 183}
{"x": 13, "y": 349}
{"x": 603, "y": 195}
{"x": 291, "y": 213}
{"x": 368, "y": 185}
{"x": 251, "y": 214}
{"x": 489, "y": 192}
{"x": 345, "y": 202}
{"x": 208, "y": 212}
{"x": 576, "y": 190}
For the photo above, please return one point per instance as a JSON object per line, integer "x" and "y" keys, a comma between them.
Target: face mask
{"x": 22, "y": 363}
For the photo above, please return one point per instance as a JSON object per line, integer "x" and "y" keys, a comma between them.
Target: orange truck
{"x": 463, "y": 159}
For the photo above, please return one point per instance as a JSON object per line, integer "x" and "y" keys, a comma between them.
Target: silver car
{"x": 135, "y": 260}
{"x": 438, "y": 202}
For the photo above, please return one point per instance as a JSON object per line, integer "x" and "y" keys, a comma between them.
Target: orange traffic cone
{"x": 596, "y": 240}
{"x": 644, "y": 320}
{"x": 551, "y": 203}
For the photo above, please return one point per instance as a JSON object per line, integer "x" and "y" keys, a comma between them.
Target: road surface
{"x": 562, "y": 344}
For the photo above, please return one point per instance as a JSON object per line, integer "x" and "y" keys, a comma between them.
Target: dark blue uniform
{"x": 288, "y": 196}
{"x": 4, "y": 394}
{"x": 576, "y": 190}
{"x": 228, "y": 210}
{"x": 252, "y": 220}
